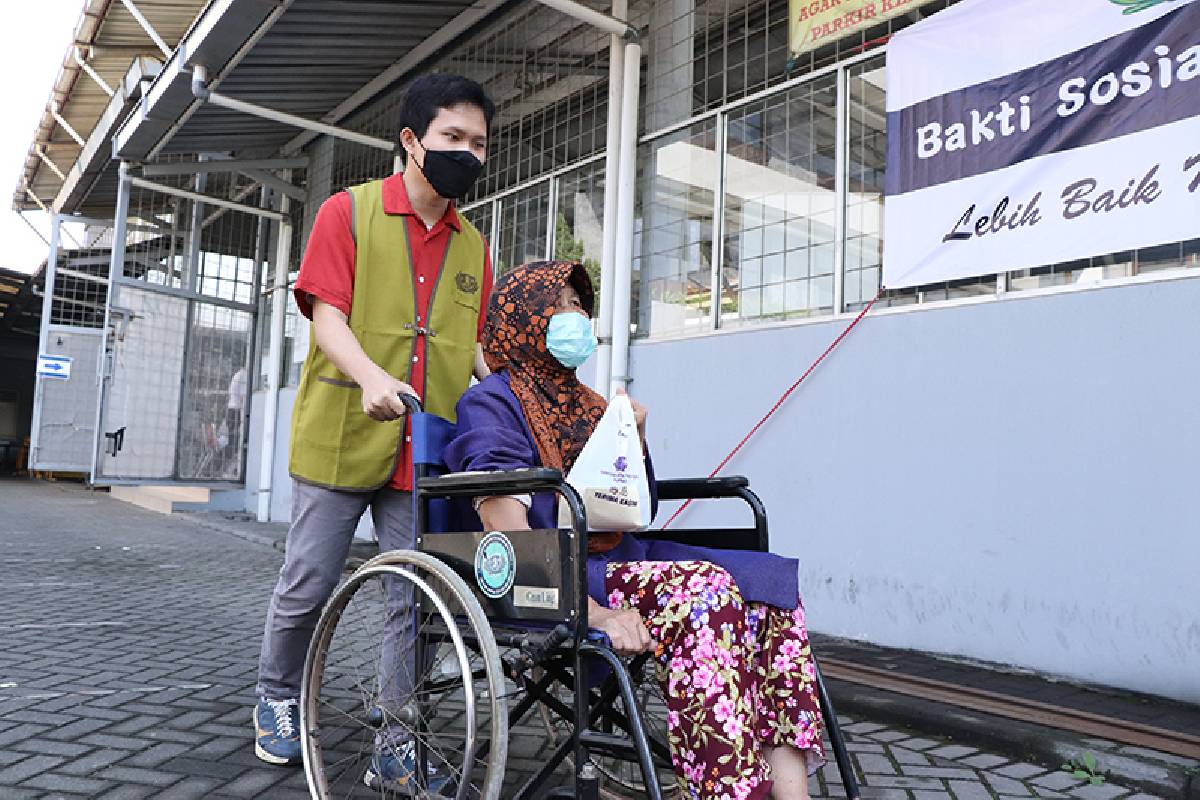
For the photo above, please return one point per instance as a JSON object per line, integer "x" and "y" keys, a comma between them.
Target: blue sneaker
{"x": 277, "y": 731}
{"x": 394, "y": 770}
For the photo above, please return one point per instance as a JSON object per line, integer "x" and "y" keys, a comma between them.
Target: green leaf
{"x": 1089, "y": 761}
{"x": 1096, "y": 780}
{"x": 1068, "y": 768}
{"x": 1080, "y": 774}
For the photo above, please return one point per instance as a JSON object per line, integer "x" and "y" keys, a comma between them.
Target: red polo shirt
{"x": 327, "y": 272}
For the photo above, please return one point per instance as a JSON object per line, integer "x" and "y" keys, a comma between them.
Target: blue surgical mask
{"x": 570, "y": 339}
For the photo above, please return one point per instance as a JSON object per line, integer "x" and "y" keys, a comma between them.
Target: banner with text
{"x": 817, "y": 22}
{"x": 1074, "y": 135}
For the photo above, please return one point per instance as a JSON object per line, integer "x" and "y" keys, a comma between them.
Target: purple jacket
{"x": 493, "y": 435}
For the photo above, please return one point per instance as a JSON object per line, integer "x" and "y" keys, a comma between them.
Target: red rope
{"x": 782, "y": 400}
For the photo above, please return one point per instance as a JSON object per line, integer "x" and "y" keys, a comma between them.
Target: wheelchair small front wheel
{"x": 403, "y": 691}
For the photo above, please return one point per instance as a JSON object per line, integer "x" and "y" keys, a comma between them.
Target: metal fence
{"x": 182, "y": 329}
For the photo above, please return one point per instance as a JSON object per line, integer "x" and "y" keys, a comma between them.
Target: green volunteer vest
{"x": 333, "y": 442}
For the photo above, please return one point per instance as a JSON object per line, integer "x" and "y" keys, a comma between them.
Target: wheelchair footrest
{"x": 609, "y": 744}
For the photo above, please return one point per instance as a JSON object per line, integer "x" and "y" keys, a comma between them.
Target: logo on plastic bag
{"x": 495, "y": 565}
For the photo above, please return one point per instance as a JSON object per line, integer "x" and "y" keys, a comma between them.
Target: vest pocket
{"x": 352, "y": 448}
{"x": 337, "y": 382}
{"x": 328, "y": 403}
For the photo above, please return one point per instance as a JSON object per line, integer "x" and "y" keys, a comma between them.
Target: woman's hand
{"x": 624, "y": 628}
{"x": 639, "y": 413}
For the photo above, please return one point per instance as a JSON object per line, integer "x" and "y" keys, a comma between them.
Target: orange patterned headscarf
{"x": 561, "y": 411}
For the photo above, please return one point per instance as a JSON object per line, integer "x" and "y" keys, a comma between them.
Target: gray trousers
{"x": 323, "y": 524}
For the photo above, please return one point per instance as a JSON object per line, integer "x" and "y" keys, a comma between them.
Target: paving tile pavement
{"x": 129, "y": 659}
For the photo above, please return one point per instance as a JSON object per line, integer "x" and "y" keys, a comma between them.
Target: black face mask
{"x": 451, "y": 173}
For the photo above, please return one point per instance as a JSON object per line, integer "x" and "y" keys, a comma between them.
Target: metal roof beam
{"x": 66, "y": 126}
{"x": 41, "y": 153}
{"x": 91, "y": 73}
{"x": 278, "y": 184}
{"x": 222, "y": 165}
{"x": 594, "y": 18}
{"x": 218, "y": 37}
{"x": 426, "y": 49}
{"x": 202, "y": 92}
{"x": 147, "y": 27}
{"x": 206, "y": 198}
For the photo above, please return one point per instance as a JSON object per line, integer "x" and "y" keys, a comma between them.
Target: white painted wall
{"x": 1012, "y": 481}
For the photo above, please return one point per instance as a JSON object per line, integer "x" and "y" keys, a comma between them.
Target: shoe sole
{"x": 372, "y": 782}
{"x": 263, "y": 755}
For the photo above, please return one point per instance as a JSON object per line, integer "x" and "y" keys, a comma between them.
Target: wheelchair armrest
{"x": 701, "y": 488}
{"x": 733, "y": 487}
{"x": 517, "y": 481}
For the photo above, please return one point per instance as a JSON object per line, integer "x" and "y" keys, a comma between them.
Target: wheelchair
{"x": 496, "y": 626}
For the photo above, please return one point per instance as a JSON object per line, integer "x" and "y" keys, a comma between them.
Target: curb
{"x": 360, "y": 551}
{"x": 262, "y": 539}
{"x": 1048, "y": 747}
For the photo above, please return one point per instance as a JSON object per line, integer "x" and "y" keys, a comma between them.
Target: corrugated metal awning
{"x": 109, "y": 40}
{"x": 308, "y": 57}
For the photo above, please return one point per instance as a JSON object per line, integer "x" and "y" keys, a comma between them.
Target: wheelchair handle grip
{"x": 411, "y": 402}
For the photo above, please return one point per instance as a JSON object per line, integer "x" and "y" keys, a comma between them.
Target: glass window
{"x": 579, "y": 224}
{"x": 866, "y": 161}
{"x": 481, "y": 217}
{"x": 524, "y": 216}
{"x": 673, "y": 232}
{"x": 1148, "y": 260}
{"x": 780, "y": 206}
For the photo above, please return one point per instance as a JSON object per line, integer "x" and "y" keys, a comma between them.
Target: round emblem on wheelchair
{"x": 495, "y": 565}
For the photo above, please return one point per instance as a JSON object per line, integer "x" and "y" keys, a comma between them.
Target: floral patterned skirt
{"x": 737, "y": 677}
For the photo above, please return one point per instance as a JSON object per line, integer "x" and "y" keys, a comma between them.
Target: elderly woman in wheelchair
{"x": 418, "y": 654}
{"x": 726, "y": 628}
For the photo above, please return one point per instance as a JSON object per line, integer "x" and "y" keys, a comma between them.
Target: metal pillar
{"x": 35, "y": 424}
{"x": 622, "y": 202}
{"x": 116, "y": 268}
{"x": 717, "y": 250}
{"x": 604, "y": 323}
{"x": 275, "y": 363}
{"x": 253, "y": 368}
{"x": 623, "y": 250}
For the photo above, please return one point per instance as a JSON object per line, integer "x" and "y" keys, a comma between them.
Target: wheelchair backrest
{"x": 430, "y": 436}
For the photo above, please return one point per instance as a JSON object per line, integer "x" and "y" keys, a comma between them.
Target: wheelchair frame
{"x": 571, "y": 643}
{"x": 563, "y": 651}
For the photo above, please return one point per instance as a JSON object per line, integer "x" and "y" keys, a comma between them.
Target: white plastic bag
{"x": 610, "y": 474}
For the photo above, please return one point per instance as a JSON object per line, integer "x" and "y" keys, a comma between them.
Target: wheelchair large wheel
{"x": 440, "y": 702}
{"x": 621, "y": 779}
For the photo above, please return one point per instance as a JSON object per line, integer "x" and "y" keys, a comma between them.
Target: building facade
{"x": 997, "y": 468}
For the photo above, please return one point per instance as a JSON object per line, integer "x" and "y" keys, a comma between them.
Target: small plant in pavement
{"x": 1085, "y": 768}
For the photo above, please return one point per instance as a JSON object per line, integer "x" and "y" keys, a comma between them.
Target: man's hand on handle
{"x": 381, "y": 397}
